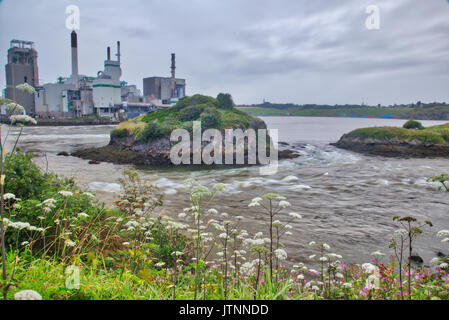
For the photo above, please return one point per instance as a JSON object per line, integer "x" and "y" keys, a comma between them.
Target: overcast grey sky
{"x": 301, "y": 51}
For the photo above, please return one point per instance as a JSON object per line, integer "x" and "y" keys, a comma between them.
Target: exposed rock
{"x": 63, "y": 153}
{"x": 94, "y": 162}
{"x": 393, "y": 148}
{"x": 417, "y": 259}
{"x": 287, "y": 154}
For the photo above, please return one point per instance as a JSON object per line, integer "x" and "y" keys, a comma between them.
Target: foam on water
{"x": 104, "y": 186}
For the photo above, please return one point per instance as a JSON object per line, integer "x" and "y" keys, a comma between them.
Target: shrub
{"x": 191, "y": 113}
{"x": 194, "y": 100}
{"x": 119, "y": 133}
{"x": 22, "y": 177}
{"x": 210, "y": 118}
{"x": 225, "y": 101}
{"x": 152, "y": 131}
{"x": 412, "y": 124}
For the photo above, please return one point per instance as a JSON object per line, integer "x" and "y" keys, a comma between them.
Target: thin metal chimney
{"x": 173, "y": 65}
{"x": 118, "y": 51}
{"x": 74, "y": 39}
{"x": 109, "y": 53}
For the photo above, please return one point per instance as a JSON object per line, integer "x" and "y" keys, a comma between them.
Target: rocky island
{"x": 412, "y": 140}
{"x": 145, "y": 140}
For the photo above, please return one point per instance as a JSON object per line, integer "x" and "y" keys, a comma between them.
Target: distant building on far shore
{"x": 21, "y": 68}
{"x": 165, "y": 90}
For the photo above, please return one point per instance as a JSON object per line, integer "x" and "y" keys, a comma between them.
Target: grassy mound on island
{"x": 395, "y": 141}
{"x": 218, "y": 113}
{"x": 435, "y": 134}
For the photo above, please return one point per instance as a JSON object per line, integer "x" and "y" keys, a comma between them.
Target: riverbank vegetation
{"x": 217, "y": 113}
{"x": 63, "y": 244}
{"x": 420, "y": 111}
{"x": 435, "y": 134}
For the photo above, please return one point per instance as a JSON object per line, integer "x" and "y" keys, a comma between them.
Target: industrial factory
{"x": 104, "y": 95}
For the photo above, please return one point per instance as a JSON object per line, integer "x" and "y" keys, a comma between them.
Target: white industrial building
{"x": 104, "y": 95}
{"x": 79, "y": 96}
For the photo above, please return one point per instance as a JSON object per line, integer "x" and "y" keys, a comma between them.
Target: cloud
{"x": 288, "y": 50}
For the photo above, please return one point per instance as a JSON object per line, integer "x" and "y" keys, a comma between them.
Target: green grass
{"x": 435, "y": 134}
{"x": 198, "y": 108}
{"x": 434, "y": 113}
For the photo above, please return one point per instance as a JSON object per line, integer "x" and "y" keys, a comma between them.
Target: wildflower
{"x": 83, "y": 215}
{"x": 25, "y": 87}
{"x": 295, "y": 215}
{"x": 66, "y": 193}
{"x": 14, "y": 107}
{"x": 222, "y": 235}
{"x": 444, "y": 265}
{"x": 334, "y": 256}
{"x": 255, "y": 202}
{"x": 401, "y": 232}
{"x": 325, "y": 246}
{"x": 27, "y": 295}
{"x": 280, "y": 254}
{"x": 284, "y": 204}
{"x": 8, "y": 196}
{"x": 69, "y": 243}
{"x": 24, "y": 243}
{"x": 377, "y": 253}
{"x": 435, "y": 261}
{"x": 369, "y": 268}
{"x": 160, "y": 264}
{"x": 372, "y": 282}
{"x": 347, "y": 285}
{"x": 125, "y": 243}
{"x": 212, "y": 211}
{"x": 300, "y": 277}
{"x": 312, "y": 243}
{"x": 312, "y": 256}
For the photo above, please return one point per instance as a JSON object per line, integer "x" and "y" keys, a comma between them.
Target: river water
{"x": 346, "y": 199}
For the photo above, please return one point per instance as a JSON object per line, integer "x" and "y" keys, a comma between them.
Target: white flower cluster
{"x": 280, "y": 254}
{"x": 22, "y": 118}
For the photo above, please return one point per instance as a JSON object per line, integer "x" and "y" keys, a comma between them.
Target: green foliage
{"x": 210, "y": 118}
{"x": 193, "y": 101}
{"x": 192, "y": 112}
{"x": 225, "y": 101}
{"x": 412, "y": 124}
{"x": 23, "y": 178}
{"x": 119, "y": 133}
{"x": 152, "y": 131}
{"x": 435, "y": 134}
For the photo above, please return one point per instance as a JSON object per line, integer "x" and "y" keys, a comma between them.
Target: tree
{"x": 225, "y": 101}
{"x": 412, "y": 124}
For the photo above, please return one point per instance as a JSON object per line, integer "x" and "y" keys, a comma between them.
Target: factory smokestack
{"x": 118, "y": 51}
{"x": 173, "y": 76}
{"x": 75, "y": 60}
{"x": 109, "y": 53}
{"x": 173, "y": 65}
